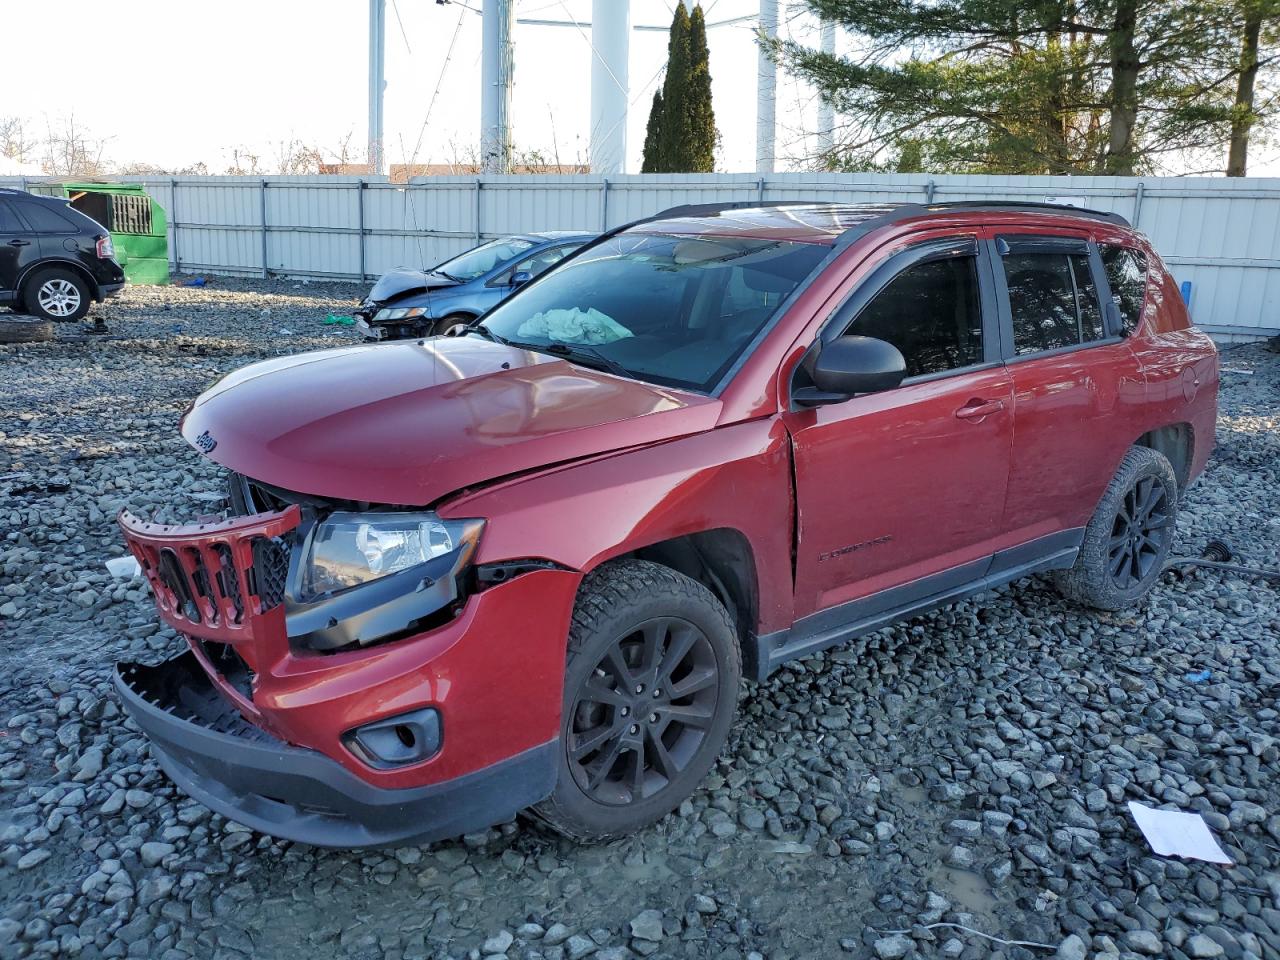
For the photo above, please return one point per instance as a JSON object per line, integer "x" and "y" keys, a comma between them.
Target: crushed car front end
{"x": 336, "y": 692}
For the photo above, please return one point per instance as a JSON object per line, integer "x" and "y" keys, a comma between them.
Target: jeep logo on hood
{"x": 205, "y": 443}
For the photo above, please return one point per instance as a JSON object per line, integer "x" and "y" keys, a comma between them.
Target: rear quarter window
{"x": 44, "y": 218}
{"x": 1127, "y": 276}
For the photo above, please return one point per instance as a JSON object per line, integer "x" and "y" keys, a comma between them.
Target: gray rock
{"x": 498, "y": 943}
{"x": 647, "y": 925}
{"x": 893, "y": 947}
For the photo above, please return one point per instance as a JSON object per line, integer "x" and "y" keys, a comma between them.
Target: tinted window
{"x": 1053, "y": 301}
{"x": 540, "y": 261}
{"x": 8, "y": 222}
{"x": 1127, "y": 275}
{"x": 478, "y": 261}
{"x": 930, "y": 312}
{"x": 667, "y": 309}
{"x": 45, "y": 219}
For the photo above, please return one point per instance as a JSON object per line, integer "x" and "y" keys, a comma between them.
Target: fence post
{"x": 479, "y": 185}
{"x": 760, "y": 190}
{"x": 173, "y": 223}
{"x": 360, "y": 205}
{"x": 262, "y": 194}
{"x": 604, "y": 204}
{"x": 1137, "y": 201}
{"x": 929, "y": 189}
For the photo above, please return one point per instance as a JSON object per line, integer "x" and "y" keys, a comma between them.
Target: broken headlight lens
{"x": 399, "y": 313}
{"x": 348, "y": 549}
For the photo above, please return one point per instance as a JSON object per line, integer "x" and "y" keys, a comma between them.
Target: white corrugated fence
{"x": 1220, "y": 236}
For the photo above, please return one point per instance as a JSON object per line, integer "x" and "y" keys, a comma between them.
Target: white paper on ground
{"x": 124, "y": 568}
{"x": 1173, "y": 834}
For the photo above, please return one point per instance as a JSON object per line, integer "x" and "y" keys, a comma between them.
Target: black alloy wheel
{"x": 652, "y": 677}
{"x": 643, "y": 714}
{"x": 1140, "y": 534}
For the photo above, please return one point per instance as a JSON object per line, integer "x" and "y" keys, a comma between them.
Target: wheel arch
{"x": 1176, "y": 443}
{"x": 723, "y": 561}
{"x": 79, "y": 269}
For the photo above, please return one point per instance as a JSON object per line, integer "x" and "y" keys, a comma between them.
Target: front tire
{"x": 1129, "y": 537}
{"x": 651, "y": 689}
{"x": 57, "y": 295}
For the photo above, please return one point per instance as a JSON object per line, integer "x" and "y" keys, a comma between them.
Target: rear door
{"x": 18, "y": 248}
{"x": 908, "y": 484}
{"x": 1076, "y": 384}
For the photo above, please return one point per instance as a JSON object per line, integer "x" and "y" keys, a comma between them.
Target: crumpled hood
{"x": 407, "y": 280}
{"x": 408, "y": 423}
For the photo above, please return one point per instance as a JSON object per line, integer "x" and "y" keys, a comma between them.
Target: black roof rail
{"x": 707, "y": 209}
{"x": 1029, "y": 205}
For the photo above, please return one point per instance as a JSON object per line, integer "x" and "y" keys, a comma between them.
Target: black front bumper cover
{"x": 247, "y": 775}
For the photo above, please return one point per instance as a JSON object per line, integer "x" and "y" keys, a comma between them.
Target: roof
{"x": 827, "y": 222}
{"x": 557, "y": 235}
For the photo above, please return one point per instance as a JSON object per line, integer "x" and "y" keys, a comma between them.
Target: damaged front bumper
{"x": 209, "y": 750}
{"x": 270, "y": 731}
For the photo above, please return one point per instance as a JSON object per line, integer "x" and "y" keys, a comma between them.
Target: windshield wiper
{"x": 582, "y": 353}
{"x": 485, "y": 332}
{"x": 579, "y": 351}
{"x": 448, "y": 276}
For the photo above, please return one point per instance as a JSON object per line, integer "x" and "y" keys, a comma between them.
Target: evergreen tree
{"x": 653, "y": 137}
{"x": 672, "y": 156}
{"x": 1054, "y": 86}
{"x": 700, "y": 149}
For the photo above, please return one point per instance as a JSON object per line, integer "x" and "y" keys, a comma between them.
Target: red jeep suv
{"x": 528, "y": 565}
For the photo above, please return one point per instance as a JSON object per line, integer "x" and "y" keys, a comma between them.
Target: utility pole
{"x": 496, "y": 63}
{"x": 766, "y": 88}
{"x": 826, "y": 113}
{"x": 377, "y": 83}
{"x": 611, "y": 41}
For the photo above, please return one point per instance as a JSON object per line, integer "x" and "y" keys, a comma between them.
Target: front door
{"x": 909, "y": 483}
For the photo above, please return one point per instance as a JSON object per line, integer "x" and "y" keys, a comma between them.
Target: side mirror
{"x": 520, "y": 278}
{"x": 849, "y": 365}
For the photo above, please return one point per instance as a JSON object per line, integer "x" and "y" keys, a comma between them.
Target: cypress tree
{"x": 653, "y": 137}
{"x": 672, "y": 153}
{"x": 700, "y": 148}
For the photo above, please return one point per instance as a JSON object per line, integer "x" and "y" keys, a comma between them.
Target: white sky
{"x": 181, "y": 82}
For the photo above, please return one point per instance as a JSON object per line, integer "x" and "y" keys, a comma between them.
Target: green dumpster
{"x": 139, "y": 230}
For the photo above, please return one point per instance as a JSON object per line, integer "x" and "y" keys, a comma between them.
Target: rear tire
{"x": 57, "y": 295}
{"x": 1129, "y": 537}
{"x": 651, "y": 689}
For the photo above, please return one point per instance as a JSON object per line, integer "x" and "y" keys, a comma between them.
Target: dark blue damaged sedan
{"x": 422, "y": 303}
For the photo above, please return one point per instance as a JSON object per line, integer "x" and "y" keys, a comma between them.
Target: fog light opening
{"x": 396, "y": 741}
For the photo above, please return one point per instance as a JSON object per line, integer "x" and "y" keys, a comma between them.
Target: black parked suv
{"x": 54, "y": 261}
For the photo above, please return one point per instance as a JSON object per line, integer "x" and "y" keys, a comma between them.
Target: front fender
{"x": 581, "y": 515}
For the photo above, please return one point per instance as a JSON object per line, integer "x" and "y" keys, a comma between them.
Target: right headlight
{"x": 349, "y": 549}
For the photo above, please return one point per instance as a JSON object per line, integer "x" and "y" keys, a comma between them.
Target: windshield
{"x": 667, "y": 309}
{"x": 478, "y": 261}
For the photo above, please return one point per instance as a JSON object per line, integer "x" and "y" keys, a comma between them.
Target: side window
{"x": 931, "y": 313}
{"x": 1127, "y": 275}
{"x": 540, "y": 261}
{"x": 1053, "y": 301}
{"x": 44, "y": 219}
{"x": 8, "y": 222}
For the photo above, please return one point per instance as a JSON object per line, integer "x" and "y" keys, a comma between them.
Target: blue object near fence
{"x": 1186, "y": 292}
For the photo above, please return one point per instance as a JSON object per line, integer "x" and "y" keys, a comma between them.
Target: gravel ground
{"x": 967, "y": 769}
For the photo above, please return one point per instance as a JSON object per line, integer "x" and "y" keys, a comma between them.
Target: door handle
{"x": 19, "y": 243}
{"x": 979, "y": 409}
